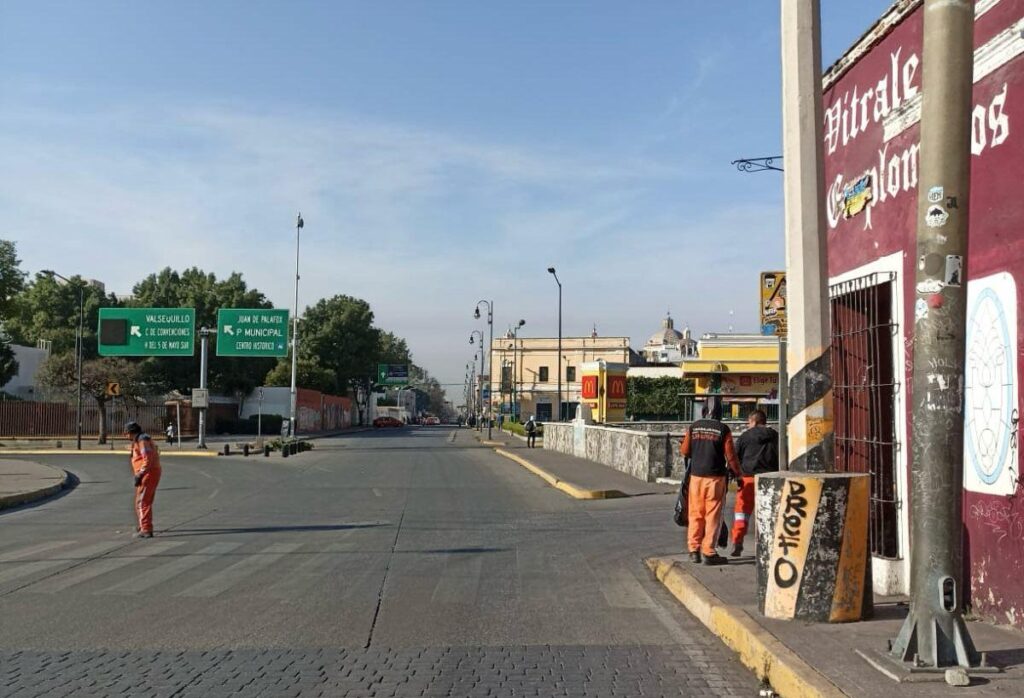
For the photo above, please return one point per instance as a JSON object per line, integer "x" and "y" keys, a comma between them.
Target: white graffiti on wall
{"x": 990, "y": 396}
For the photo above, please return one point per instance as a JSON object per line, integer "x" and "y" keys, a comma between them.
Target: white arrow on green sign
{"x": 147, "y": 332}
{"x": 252, "y": 332}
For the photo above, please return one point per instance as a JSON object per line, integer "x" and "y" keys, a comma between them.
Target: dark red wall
{"x": 994, "y": 525}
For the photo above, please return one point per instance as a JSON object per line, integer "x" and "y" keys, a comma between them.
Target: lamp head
{"x": 476, "y": 313}
{"x": 551, "y": 270}
{"x": 521, "y": 323}
{"x": 470, "y": 339}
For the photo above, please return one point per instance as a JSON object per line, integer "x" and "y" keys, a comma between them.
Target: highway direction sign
{"x": 147, "y": 332}
{"x": 252, "y": 332}
{"x": 392, "y": 374}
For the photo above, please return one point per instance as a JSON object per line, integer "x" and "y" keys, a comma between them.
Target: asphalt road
{"x": 396, "y": 563}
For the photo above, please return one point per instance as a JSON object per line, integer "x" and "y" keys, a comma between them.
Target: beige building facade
{"x": 524, "y": 372}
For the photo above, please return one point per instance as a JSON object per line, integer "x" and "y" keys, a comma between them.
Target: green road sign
{"x": 252, "y": 332}
{"x": 147, "y": 331}
{"x": 392, "y": 374}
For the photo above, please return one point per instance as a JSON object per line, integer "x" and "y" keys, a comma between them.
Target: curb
{"x": 757, "y": 648}
{"x": 8, "y": 501}
{"x": 74, "y": 452}
{"x": 572, "y": 490}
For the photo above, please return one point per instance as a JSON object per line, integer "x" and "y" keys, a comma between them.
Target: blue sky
{"x": 440, "y": 152}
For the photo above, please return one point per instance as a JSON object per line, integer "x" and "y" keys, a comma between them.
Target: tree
{"x": 47, "y": 309}
{"x": 12, "y": 278}
{"x": 8, "y": 364}
{"x": 309, "y": 374}
{"x": 58, "y": 372}
{"x": 339, "y": 334}
{"x": 657, "y": 398}
{"x": 194, "y": 288}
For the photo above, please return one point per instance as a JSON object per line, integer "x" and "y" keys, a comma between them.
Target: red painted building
{"x": 872, "y": 131}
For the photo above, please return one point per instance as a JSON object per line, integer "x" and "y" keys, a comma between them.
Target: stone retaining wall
{"x": 644, "y": 455}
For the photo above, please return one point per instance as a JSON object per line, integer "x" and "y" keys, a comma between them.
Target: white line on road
{"x": 228, "y": 577}
{"x": 150, "y": 578}
{"x": 99, "y": 567}
{"x": 70, "y": 558}
{"x": 33, "y": 550}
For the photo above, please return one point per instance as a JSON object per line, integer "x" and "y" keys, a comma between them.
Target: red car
{"x": 381, "y": 422}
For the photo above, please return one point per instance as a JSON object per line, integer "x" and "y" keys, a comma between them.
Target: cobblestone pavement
{"x": 375, "y": 673}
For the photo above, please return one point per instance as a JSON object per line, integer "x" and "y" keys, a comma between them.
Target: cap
{"x": 132, "y": 428}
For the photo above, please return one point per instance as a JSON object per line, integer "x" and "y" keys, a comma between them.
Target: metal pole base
{"x": 935, "y": 640}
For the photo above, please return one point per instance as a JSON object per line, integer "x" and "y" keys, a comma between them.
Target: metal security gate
{"x": 864, "y": 391}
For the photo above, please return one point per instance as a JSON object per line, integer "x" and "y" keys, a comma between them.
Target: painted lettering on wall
{"x": 785, "y": 571}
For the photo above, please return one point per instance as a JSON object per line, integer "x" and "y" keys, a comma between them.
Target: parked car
{"x": 383, "y": 422}
{"x": 431, "y": 421}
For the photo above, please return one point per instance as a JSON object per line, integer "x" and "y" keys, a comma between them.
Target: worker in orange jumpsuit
{"x": 147, "y": 470}
{"x": 758, "y": 451}
{"x": 709, "y": 446}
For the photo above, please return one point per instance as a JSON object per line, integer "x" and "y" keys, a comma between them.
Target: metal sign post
{"x": 204, "y": 337}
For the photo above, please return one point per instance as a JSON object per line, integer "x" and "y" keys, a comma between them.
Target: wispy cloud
{"x": 419, "y": 223}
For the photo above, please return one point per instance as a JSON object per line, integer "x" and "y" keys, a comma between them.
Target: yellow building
{"x": 524, "y": 372}
{"x": 742, "y": 368}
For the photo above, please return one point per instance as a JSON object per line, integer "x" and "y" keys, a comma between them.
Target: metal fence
{"x": 27, "y": 420}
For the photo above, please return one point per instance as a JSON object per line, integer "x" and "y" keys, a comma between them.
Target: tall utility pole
{"x": 79, "y": 346}
{"x": 934, "y": 632}
{"x": 810, "y": 438}
{"x": 204, "y": 339}
{"x": 490, "y": 359}
{"x": 558, "y": 367}
{"x": 295, "y": 334}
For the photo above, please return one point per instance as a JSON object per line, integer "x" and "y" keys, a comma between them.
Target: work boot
{"x": 737, "y": 549}
{"x": 715, "y": 559}
{"x": 695, "y": 556}
{"x": 143, "y": 534}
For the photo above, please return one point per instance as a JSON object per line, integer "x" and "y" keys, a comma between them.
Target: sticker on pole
{"x": 954, "y": 269}
{"x": 935, "y": 195}
{"x": 936, "y": 217}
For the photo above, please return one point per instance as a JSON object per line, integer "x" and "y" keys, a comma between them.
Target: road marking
{"x": 316, "y": 567}
{"x": 33, "y": 549}
{"x": 70, "y": 558}
{"x": 150, "y": 578}
{"x": 99, "y": 567}
{"x": 228, "y": 577}
{"x": 460, "y": 580}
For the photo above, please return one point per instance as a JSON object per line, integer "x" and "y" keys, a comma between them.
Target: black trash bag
{"x": 682, "y": 511}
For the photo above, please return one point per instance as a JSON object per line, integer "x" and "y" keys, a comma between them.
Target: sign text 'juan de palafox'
{"x": 252, "y": 332}
{"x": 147, "y": 332}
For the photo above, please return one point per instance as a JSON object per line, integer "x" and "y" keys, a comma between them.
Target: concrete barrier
{"x": 812, "y": 546}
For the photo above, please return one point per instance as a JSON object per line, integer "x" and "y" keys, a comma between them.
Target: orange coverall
{"x": 707, "y": 491}
{"x": 146, "y": 466}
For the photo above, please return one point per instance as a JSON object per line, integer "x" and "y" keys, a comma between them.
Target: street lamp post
{"x": 515, "y": 368}
{"x": 490, "y": 361}
{"x": 551, "y": 270}
{"x": 295, "y": 334}
{"x": 479, "y": 390}
{"x": 79, "y": 341}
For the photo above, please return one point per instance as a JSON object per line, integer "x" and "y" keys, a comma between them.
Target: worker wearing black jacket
{"x": 758, "y": 451}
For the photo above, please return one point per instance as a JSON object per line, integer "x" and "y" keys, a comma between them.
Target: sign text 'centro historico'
{"x": 252, "y": 332}
{"x": 147, "y": 332}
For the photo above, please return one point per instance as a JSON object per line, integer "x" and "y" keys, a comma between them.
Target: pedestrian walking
{"x": 531, "y": 432}
{"x": 146, "y": 469}
{"x": 170, "y": 432}
{"x": 758, "y": 452}
{"x": 709, "y": 446}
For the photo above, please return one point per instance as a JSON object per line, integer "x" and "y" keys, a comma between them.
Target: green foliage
{"x": 47, "y": 309}
{"x": 309, "y": 374}
{"x": 8, "y": 364}
{"x": 12, "y": 278}
{"x": 194, "y": 288}
{"x": 338, "y": 332}
{"x": 657, "y": 398}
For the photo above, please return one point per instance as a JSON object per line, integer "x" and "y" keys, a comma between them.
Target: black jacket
{"x": 758, "y": 450}
{"x": 709, "y": 446}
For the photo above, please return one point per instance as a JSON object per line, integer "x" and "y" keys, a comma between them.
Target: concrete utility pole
{"x": 934, "y": 633}
{"x": 204, "y": 338}
{"x": 295, "y": 335}
{"x": 810, "y": 439}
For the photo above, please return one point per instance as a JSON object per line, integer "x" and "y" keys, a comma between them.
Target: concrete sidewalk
{"x": 805, "y": 659}
{"x": 582, "y": 479}
{"x": 24, "y": 481}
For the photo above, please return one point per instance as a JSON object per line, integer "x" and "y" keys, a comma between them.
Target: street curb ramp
{"x": 757, "y": 648}
{"x": 8, "y": 501}
{"x": 568, "y": 488}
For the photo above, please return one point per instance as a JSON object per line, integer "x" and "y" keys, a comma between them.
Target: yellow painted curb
{"x": 758, "y": 649}
{"x": 566, "y": 487}
{"x": 485, "y": 442}
{"x": 118, "y": 452}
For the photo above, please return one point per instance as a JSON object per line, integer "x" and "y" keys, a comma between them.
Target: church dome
{"x": 668, "y": 335}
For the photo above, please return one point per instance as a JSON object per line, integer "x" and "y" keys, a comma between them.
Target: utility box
{"x": 604, "y": 390}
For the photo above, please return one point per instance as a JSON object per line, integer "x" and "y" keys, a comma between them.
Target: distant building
{"x": 741, "y": 369}
{"x": 23, "y": 384}
{"x": 668, "y": 345}
{"x": 524, "y": 372}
